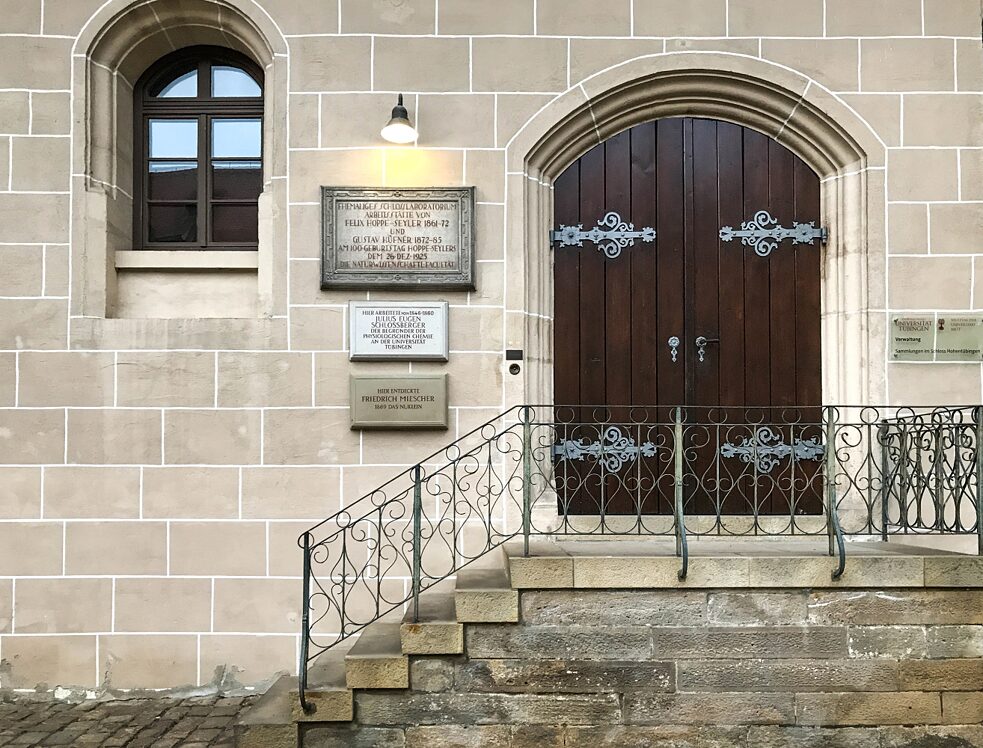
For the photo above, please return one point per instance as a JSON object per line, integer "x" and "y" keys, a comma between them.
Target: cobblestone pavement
{"x": 123, "y": 723}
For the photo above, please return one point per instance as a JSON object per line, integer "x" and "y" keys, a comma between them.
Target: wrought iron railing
{"x": 560, "y": 471}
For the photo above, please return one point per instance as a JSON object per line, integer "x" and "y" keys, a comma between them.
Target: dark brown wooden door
{"x": 614, "y": 316}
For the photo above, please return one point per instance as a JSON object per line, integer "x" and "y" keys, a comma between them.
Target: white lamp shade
{"x": 399, "y": 131}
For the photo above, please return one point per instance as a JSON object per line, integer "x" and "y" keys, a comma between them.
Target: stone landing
{"x": 597, "y": 643}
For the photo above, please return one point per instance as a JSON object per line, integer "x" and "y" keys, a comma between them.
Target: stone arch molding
{"x": 787, "y": 106}
{"x": 116, "y": 45}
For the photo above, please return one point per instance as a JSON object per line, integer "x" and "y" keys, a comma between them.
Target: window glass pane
{"x": 173, "y": 180}
{"x": 184, "y": 86}
{"x": 236, "y": 138}
{"x": 173, "y": 223}
{"x": 237, "y": 180}
{"x": 173, "y": 138}
{"x": 228, "y": 81}
{"x": 235, "y": 223}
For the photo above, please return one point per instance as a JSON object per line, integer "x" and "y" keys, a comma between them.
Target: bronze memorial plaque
{"x": 407, "y": 401}
{"x": 397, "y": 238}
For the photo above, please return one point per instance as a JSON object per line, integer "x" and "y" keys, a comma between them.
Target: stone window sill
{"x": 186, "y": 260}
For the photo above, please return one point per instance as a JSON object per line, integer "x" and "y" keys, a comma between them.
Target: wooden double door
{"x": 729, "y": 330}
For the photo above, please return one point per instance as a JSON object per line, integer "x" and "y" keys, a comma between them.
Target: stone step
{"x": 437, "y": 632}
{"x": 327, "y": 691}
{"x": 485, "y": 596}
{"x": 269, "y": 722}
{"x": 377, "y": 660}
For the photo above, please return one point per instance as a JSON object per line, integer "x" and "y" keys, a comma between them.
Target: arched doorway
{"x": 673, "y": 287}
{"x": 786, "y": 106}
{"x": 685, "y": 316}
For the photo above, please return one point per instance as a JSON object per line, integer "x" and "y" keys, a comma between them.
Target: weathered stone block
{"x": 868, "y": 708}
{"x": 953, "y": 571}
{"x": 787, "y": 675}
{"x": 431, "y": 674}
{"x": 962, "y": 708}
{"x": 953, "y": 641}
{"x": 863, "y": 571}
{"x": 659, "y": 572}
{"x": 539, "y": 572}
{"x": 538, "y": 736}
{"x": 668, "y": 736}
{"x": 485, "y": 596}
{"x": 563, "y": 676}
{"x": 941, "y": 675}
{"x": 709, "y": 709}
{"x": 449, "y": 736}
{"x": 615, "y": 607}
{"x": 755, "y": 608}
{"x": 558, "y": 642}
{"x": 744, "y": 642}
{"x": 814, "y": 737}
{"x": 890, "y": 606}
{"x": 469, "y": 709}
{"x": 887, "y": 641}
{"x": 319, "y": 736}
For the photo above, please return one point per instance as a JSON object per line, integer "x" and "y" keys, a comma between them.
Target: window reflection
{"x": 173, "y": 138}
{"x": 237, "y": 180}
{"x": 170, "y": 180}
{"x": 233, "y": 82}
{"x": 236, "y": 138}
{"x": 184, "y": 86}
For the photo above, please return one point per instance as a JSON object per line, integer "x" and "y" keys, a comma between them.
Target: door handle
{"x": 701, "y": 346}
{"x": 673, "y": 347}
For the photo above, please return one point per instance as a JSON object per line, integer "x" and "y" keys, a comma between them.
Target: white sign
{"x": 407, "y": 330}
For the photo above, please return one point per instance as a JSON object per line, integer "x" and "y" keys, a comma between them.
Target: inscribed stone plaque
{"x": 407, "y": 330}
{"x": 913, "y": 338}
{"x": 959, "y": 337}
{"x": 407, "y": 238}
{"x": 408, "y": 401}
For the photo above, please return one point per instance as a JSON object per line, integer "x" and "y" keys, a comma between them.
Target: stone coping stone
{"x": 485, "y": 596}
{"x": 880, "y": 565}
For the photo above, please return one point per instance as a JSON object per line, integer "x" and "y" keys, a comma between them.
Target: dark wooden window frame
{"x": 204, "y": 108}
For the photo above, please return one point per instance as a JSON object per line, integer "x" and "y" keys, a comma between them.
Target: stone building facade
{"x": 172, "y": 421}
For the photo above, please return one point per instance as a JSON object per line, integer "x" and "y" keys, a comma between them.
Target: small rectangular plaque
{"x": 937, "y": 337}
{"x": 408, "y": 401}
{"x": 958, "y": 337}
{"x": 398, "y": 330}
{"x": 913, "y": 337}
{"x": 383, "y": 238}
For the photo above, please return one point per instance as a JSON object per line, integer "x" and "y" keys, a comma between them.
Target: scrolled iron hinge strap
{"x": 616, "y": 449}
{"x": 611, "y": 235}
{"x": 763, "y": 233}
{"x": 766, "y": 449}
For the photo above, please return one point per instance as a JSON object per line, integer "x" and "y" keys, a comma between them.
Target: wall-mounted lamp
{"x": 400, "y": 129}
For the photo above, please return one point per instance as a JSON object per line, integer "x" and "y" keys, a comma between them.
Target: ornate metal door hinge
{"x": 764, "y": 234}
{"x": 611, "y": 235}
{"x": 766, "y": 449}
{"x": 616, "y": 449}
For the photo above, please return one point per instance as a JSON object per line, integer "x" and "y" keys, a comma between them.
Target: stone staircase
{"x": 599, "y": 644}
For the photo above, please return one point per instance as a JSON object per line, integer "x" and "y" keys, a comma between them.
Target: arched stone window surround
{"x": 786, "y": 105}
{"x": 116, "y": 45}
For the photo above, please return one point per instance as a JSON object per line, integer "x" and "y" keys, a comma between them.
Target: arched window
{"x": 198, "y": 116}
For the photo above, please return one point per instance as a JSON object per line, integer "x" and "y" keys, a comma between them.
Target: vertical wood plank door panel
{"x": 614, "y": 318}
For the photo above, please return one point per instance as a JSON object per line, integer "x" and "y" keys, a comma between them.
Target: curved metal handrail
{"x": 788, "y": 470}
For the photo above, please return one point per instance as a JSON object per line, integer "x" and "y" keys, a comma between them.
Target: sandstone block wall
{"x": 708, "y": 667}
{"x": 156, "y": 471}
